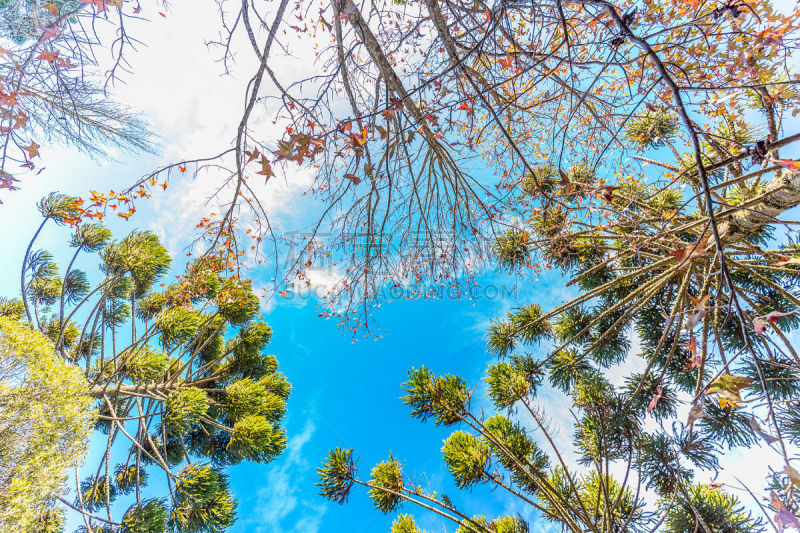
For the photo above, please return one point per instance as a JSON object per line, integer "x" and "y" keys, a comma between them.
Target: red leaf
{"x": 266, "y": 168}
{"x": 20, "y": 120}
{"x": 694, "y": 360}
{"x": 695, "y": 319}
{"x": 788, "y": 261}
{"x": 606, "y": 191}
{"x": 697, "y": 411}
{"x": 99, "y": 4}
{"x": 251, "y": 155}
{"x": 700, "y": 303}
{"x": 773, "y": 316}
{"x": 788, "y": 164}
{"x": 784, "y": 517}
{"x": 693, "y": 250}
{"x": 51, "y": 33}
{"x": 51, "y": 8}
{"x": 7, "y": 180}
{"x": 48, "y": 56}
{"x": 654, "y": 401}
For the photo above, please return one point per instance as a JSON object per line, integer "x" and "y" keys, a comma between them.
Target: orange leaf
{"x": 788, "y": 164}
{"x": 32, "y": 149}
{"x": 266, "y": 168}
{"x": 48, "y": 56}
{"x": 251, "y": 155}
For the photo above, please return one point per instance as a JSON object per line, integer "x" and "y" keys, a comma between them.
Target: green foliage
{"x": 337, "y": 475}
{"x": 59, "y": 207}
{"x": 247, "y": 397}
{"x": 566, "y": 368}
{"x": 523, "y": 325}
{"x": 12, "y": 308}
{"x": 386, "y": 485}
{"x": 501, "y": 337}
{"x": 50, "y": 521}
{"x": 508, "y": 384}
{"x": 512, "y": 248}
{"x": 542, "y": 178}
{"x": 255, "y": 439}
{"x": 467, "y": 458}
{"x": 236, "y": 301}
{"x": 144, "y": 364}
{"x": 139, "y": 255}
{"x": 127, "y": 477}
{"x": 90, "y": 237}
{"x": 607, "y": 497}
{"x": 652, "y": 129}
{"x": 509, "y": 524}
{"x": 405, "y": 524}
{"x": 203, "y": 501}
{"x": 647, "y": 387}
{"x": 572, "y": 325}
{"x": 444, "y": 398}
{"x": 177, "y": 325}
{"x": 504, "y": 524}
{"x": 169, "y": 391}
{"x": 513, "y": 448}
{"x": 149, "y": 517}
{"x": 75, "y": 286}
{"x": 715, "y": 510}
{"x": 246, "y": 348}
{"x": 96, "y": 492}
{"x": 150, "y": 305}
{"x": 68, "y": 331}
{"x": 44, "y": 429}
{"x": 185, "y": 408}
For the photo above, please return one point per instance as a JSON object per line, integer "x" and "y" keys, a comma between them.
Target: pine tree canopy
{"x": 174, "y": 377}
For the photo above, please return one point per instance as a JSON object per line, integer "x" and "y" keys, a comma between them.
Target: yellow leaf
{"x": 794, "y": 475}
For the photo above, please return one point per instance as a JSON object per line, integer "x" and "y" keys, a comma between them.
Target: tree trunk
{"x": 145, "y": 389}
{"x": 780, "y": 194}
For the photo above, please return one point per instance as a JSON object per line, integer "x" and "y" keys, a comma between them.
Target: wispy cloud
{"x": 281, "y": 505}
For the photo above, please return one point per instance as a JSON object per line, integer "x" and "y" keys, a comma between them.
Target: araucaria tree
{"x": 684, "y": 264}
{"x": 177, "y": 372}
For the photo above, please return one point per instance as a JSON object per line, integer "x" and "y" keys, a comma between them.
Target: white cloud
{"x": 281, "y": 495}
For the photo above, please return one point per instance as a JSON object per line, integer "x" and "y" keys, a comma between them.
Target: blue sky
{"x": 345, "y": 393}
